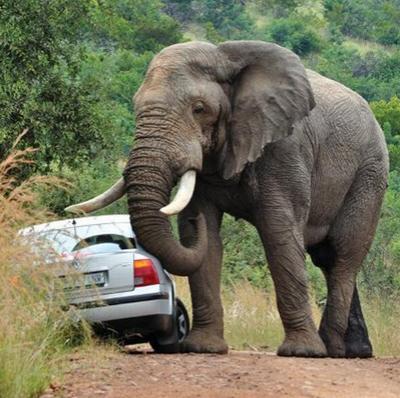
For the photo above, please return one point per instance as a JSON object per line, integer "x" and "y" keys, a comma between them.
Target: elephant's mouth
{"x": 180, "y": 201}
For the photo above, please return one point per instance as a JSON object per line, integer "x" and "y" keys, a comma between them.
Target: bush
{"x": 244, "y": 257}
{"x": 35, "y": 333}
{"x": 138, "y": 25}
{"x": 39, "y": 84}
{"x": 388, "y": 115}
{"x": 91, "y": 180}
{"x": 381, "y": 272}
{"x": 294, "y": 35}
{"x": 374, "y": 75}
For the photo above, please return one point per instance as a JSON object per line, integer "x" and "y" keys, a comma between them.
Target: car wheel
{"x": 181, "y": 328}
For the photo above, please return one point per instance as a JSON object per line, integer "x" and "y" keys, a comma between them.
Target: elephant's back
{"x": 348, "y": 118}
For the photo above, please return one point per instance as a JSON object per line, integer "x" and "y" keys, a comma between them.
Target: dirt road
{"x": 140, "y": 373}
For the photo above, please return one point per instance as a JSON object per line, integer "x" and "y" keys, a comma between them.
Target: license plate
{"x": 87, "y": 281}
{"x": 95, "y": 279}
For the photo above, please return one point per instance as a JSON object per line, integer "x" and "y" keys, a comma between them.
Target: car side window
{"x": 123, "y": 242}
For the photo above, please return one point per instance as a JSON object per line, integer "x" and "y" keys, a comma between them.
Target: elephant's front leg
{"x": 207, "y": 334}
{"x": 285, "y": 254}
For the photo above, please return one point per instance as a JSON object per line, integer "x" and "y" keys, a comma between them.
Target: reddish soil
{"x": 140, "y": 373}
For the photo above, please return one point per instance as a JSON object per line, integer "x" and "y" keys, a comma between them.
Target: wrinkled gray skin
{"x": 299, "y": 156}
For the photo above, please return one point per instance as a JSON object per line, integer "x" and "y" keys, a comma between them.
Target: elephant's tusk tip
{"x": 73, "y": 209}
{"x": 111, "y": 195}
{"x": 168, "y": 212}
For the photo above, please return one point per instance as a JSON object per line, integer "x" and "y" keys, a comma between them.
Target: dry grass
{"x": 365, "y": 46}
{"x": 250, "y": 315}
{"x": 34, "y": 331}
{"x": 252, "y": 319}
{"x": 382, "y": 317}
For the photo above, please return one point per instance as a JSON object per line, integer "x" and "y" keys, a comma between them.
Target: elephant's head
{"x": 203, "y": 107}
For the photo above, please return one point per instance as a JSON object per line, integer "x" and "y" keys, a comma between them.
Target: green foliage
{"x": 212, "y": 34}
{"x": 244, "y": 257}
{"x": 93, "y": 178}
{"x": 374, "y": 75}
{"x": 317, "y": 284}
{"x": 63, "y": 81}
{"x": 366, "y": 19}
{"x": 228, "y": 17}
{"x": 394, "y": 156}
{"x": 388, "y": 115}
{"x": 40, "y": 87}
{"x": 137, "y": 25}
{"x": 278, "y": 8}
{"x": 381, "y": 272}
{"x": 124, "y": 71}
{"x": 295, "y": 35}
{"x": 222, "y": 19}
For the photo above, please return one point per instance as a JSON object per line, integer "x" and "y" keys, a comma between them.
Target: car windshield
{"x": 105, "y": 237}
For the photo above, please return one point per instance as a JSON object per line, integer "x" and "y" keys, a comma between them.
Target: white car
{"x": 123, "y": 290}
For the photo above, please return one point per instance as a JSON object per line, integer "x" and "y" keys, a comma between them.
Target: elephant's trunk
{"x": 149, "y": 181}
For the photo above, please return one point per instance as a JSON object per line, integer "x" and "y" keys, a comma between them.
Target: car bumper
{"x": 134, "y": 309}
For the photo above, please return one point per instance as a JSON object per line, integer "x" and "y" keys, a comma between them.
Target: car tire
{"x": 180, "y": 330}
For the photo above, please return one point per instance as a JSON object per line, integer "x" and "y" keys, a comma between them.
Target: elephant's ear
{"x": 271, "y": 93}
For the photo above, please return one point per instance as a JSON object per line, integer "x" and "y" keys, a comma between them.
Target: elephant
{"x": 248, "y": 131}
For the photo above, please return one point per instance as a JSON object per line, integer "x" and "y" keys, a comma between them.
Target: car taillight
{"x": 145, "y": 273}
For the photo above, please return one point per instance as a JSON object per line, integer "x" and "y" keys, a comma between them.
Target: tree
{"x": 388, "y": 113}
{"x": 39, "y": 85}
{"x": 137, "y": 25}
{"x": 293, "y": 34}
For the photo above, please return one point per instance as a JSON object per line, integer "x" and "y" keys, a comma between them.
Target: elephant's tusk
{"x": 183, "y": 196}
{"x": 106, "y": 198}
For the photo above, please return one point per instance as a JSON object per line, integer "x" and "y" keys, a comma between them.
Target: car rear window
{"x": 67, "y": 240}
{"x": 120, "y": 241}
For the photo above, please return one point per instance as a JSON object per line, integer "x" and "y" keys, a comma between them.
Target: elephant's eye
{"x": 198, "y": 107}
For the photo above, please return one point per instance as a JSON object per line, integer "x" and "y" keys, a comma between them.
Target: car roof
{"x": 76, "y": 222}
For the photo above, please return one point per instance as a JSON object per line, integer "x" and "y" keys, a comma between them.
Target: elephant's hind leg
{"x": 351, "y": 236}
{"x": 207, "y": 334}
{"x": 356, "y": 339}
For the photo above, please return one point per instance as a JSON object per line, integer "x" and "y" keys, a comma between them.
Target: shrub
{"x": 35, "y": 333}
{"x": 91, "y": 180}
{"x": 381, "y": 272}
{"x": 295, "y": 35}
{"x": 388, "y": 115}
{"x": 39, "y": 84}
{"x": 244, "y": 257}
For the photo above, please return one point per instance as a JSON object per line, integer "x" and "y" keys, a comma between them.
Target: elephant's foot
{"x": 334, "y": 343}
{"x": 356, "y": 338}
{"x": 302, "y": 344}
{"x": 203, "y": 341}
{"x": 357, "y": 344}
{"x": 358, "y": 350}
